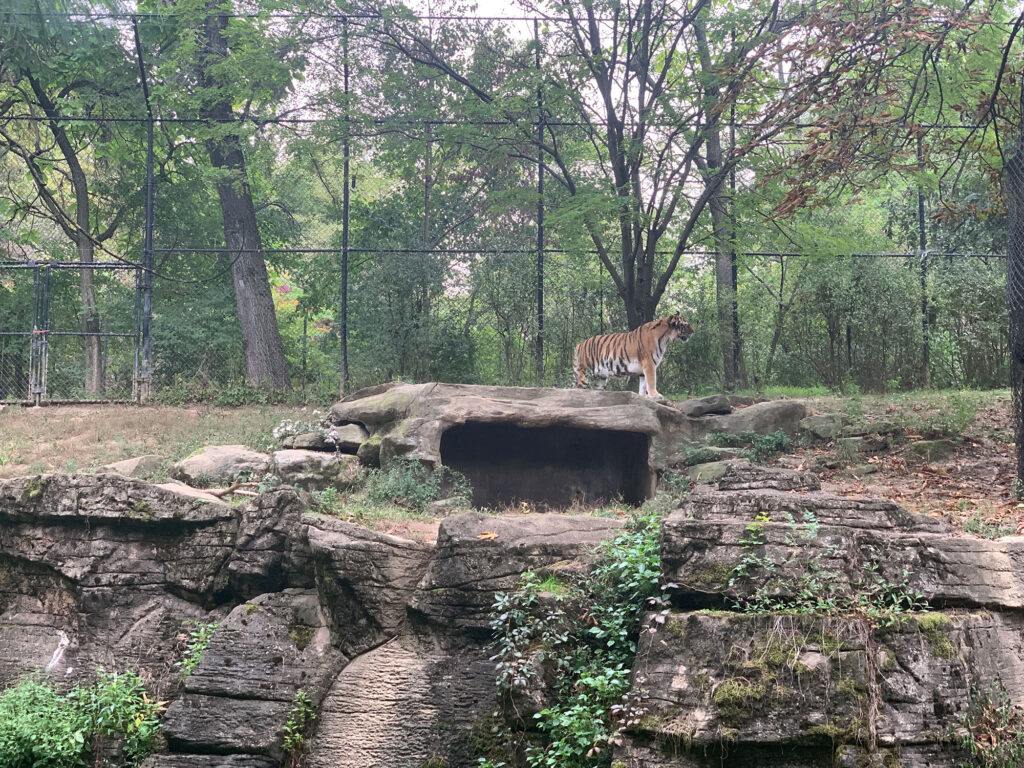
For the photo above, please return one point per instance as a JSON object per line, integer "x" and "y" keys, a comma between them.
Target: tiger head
{"x": 678, "y": 327}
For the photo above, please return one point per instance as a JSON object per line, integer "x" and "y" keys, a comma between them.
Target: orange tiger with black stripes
{"x": 620, "y": 354}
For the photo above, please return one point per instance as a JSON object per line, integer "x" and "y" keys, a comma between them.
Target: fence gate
{"x": 44, "y": 351}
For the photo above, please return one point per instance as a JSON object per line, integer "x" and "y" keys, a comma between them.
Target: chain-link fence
{"x": 46, "y": 353}
{"x": 430, "y": 275}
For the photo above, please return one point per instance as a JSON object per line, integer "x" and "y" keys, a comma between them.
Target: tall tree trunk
{"x": 261, "y": 338}
{"x": 725, "y": 292}
{"x": 81, "y": 235}
{"x": 1013, "y": 183}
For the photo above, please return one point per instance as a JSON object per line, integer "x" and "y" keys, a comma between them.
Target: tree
{"x": 636, "y": 104}
{"x": 80, "y": 172}
{"x": 219, "y": 60}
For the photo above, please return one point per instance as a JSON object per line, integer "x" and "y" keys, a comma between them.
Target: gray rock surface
{"x": 365, "y": 578}
{"x": 480, "y": 555}
{"x": 139, "y": 466}
{"x": 220, "y": 464}
{"x": 238, "y": 697}
{"x": 315, "y": 470}
{"x": 824, "y": 426}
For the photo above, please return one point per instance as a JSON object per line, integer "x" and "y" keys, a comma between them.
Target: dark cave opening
{"x": 553, "y": 466}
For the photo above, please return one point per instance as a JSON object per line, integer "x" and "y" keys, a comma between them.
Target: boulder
{"x": 711, "y": 472}
{"x": 480, "y": 555}
{"x": 824, "y": 426}
{"x": 763, "y": 418}
{"x": 220, "y": 464}
{"x": 344, "y": 438}
{"x": 140, "y": 466}
{"x": 930, "y": 450}
{"x": 315, "y": 470}
{"x": 702, "y": 406}
{"x": 366, "y": 578}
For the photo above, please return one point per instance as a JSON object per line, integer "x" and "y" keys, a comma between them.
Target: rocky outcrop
{"x": 101, "y": 570}
{"x": 220, "y": 464}
{"x": 315, "y": 470}
{"x": 388, "y": 638}
{"x": 846, "y": 687}
{"x": 554, "y": 446}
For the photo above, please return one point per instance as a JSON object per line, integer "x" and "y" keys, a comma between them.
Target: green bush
{"x": 586, "y": 630}
{"x": 405, "y": 482}
{"x": 42, "y": 728}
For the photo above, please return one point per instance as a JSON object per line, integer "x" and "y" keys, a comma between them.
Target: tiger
{"x": 637, "y": 351}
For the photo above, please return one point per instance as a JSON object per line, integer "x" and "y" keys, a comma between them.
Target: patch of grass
{"x": 297, "y": 728}
{"x": 46, "y": 439}
{"x": 406, "y": 483}
{"x": 977, "y": 525}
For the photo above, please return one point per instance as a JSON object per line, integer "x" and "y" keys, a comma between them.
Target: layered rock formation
{"x": 387, "y": 638}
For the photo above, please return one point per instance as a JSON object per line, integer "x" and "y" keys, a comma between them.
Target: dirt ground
{"x": 972, "y": 487}
{"x": 974, "y": 482}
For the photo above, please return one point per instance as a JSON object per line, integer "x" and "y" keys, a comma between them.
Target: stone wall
{"x": 389, "y": 637}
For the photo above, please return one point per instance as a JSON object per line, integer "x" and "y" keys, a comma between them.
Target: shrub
{"x": 405, "y": 482}
{"x": 42, "y": 728}
{"x": 586, "y": 630}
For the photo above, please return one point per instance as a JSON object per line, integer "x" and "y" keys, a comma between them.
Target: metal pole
{"x": 35, "y": 340}
{"x": 343, "y": 320}
{"x": 922, "y": 244}
{"x": 145, "y": 374}
{"x": 540, "y": 211}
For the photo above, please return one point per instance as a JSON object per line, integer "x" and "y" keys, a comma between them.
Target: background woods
{"x": 817, "y": 186}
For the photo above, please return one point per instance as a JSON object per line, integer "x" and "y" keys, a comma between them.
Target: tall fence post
{"x": 922, "y": 245}
{"x": 540, "y": 210}
{"x": 343, "y": 319}
{"x": 143, "y": 339}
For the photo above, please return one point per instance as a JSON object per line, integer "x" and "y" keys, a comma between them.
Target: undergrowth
{"x": 584, "y": 636}
{"x": 992, "y": 730}
{"x": 758, "y": 448}
{"x": 407, "y": 483}
{"x": 41, "y": 727}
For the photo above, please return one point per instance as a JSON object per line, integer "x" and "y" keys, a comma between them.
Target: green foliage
{"x": 586, "y": 632}
{"x": 199, "y": 636}
{"x": 405, "y": 482}
{"x": 992, "y": 731}
{"x": 977, "y": 525}
{"x": 759, "y": 448}
{"x": 42, "y": 728}
{"x": 297, "y": 727}
{"x": 804, "y": 583}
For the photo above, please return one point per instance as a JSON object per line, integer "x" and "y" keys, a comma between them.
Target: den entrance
{"x": 556, "y": 466}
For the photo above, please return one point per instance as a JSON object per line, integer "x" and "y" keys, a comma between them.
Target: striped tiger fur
{"x": 620, "y": 354}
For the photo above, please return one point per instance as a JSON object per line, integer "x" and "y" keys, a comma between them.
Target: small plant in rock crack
{"x": 806, "y": 583}
{"x": 199, "y": 637}
{"x": 582, "y": 629}
{"x": 297, "y": 728}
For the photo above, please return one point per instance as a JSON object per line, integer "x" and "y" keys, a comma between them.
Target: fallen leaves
{"x": 488, "y": 535}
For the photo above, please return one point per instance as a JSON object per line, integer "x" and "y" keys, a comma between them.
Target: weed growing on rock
{"x": 977, "y": 525}
{"x": 759, "y": 448}
{"x": 806, "y": 583}
{"x": 992, "y": 730}
{"x": 297, "y": 727}
{"x": 198, "y": 639}
{"x": 41, "y": 727}
{"x": 584, "y": 635}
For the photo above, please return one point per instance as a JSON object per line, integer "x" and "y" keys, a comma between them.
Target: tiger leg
{"x": 579, "y": 377}
{"x": 649, "y": 385}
